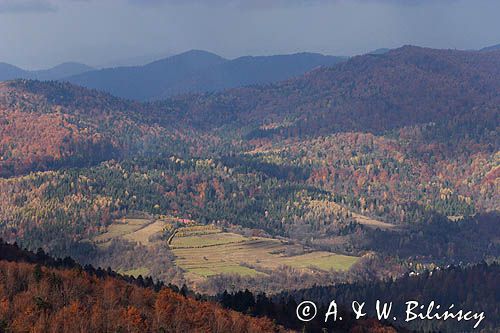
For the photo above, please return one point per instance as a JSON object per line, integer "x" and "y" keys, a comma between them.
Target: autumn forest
{"x": 220, "y": 211}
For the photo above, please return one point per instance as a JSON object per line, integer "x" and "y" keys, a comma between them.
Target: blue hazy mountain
{"x": 10, "y": 72}
{"x": 199, "y": 71}
{"x": 491, "y": 48}
{"x": 148, "y": 81}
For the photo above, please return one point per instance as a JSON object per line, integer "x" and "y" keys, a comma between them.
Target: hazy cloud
{"x": 108, "y": 31}
{"x": 7, "y": 6}
{"x": 275, "y": 3}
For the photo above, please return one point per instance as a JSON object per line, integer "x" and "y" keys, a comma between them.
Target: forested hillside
{"x": 70, "y": 298}
{"x": 47, "y": 125}
{"x": 391, "y": 156}
{"x": 198, "y": 71}
{"x": 406, "y": 86}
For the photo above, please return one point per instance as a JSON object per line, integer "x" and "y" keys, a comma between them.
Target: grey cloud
{"x": 52, "y": 5}
{"x": 8, "y": 6}
{"x": 100, "y": 31}
{"x": 275, "y": 3}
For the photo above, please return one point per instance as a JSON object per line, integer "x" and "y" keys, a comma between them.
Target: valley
{"x": 344, "y": 175}
{"x": 253, "y": 166}
{"x": 201, "y": 251}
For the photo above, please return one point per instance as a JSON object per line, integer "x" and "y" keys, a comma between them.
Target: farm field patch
{"x": 121, "y": 228}
{"x": 143, "y": 235}
{"x": 210, "y": 254}
{"x": 202, "y": 251}
{"x": 136, "y": 272}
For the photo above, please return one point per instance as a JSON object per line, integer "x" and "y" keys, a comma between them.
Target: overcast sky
{"x": 42, "y": 33}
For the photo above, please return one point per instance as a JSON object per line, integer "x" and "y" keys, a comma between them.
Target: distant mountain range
{"x": 198, "y": 71}
{"x": 148, "y": 81}
{"x": 10, "y": 72}
{"x": 189, "y": 72}
{"x": 194, "y": 71}
{"x": 491, "y": 48}
{"x": 379, "y": 51}
{"x": 404, "y": 87}
{"x": 393, "y": 151}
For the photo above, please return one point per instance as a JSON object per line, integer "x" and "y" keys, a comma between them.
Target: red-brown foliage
{"x": 34, "y": 299}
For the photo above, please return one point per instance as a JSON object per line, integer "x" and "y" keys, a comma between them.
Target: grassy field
{"x": 136, "y": 272}
{"x": 212, "y": 239}
{"x": 203, "y": 255}
{"x": 203, "y": 251}
{"x": 121, "y": 228}
{"x": 322, "y": 260}
{"x": 143, "y": 234}
{"x": 369, "y": 222}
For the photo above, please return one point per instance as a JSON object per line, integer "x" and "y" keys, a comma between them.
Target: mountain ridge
{"x": 402, "y": 87}
{"x": 455, "y": 90}
{"x": 11, "y": 72}
{"x": 490, "y": 48}
{"x": 408, "y": 138}
{"x": 198, "y": 71}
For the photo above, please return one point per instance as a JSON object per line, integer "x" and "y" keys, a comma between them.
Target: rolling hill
{"x": 64, "y": 127}
{"x": 60, "y": 71}
{"x": 74, "y": 126}
{"x": 198, "y": 71}
{"x": 406, "y": 142}
{"x": 9, "y": 72}
{"x": 491, "y": 48}
{"x": 249, "y": 70}
{"x": 445, "y": 102}
{"x": 369, "y": 93}
{"x": 148, "y": 81}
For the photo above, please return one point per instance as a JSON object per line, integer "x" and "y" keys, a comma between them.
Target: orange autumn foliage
{"x": 74, "y": 301}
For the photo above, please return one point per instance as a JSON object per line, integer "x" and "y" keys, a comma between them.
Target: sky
{"x": 37, "y": 34}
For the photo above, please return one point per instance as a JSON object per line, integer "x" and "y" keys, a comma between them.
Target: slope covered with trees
{"x": 70, "y": 298}
{"x": 406, "y": 142}
{"x": 198, "y": 71}
{"x": 456, "y": 90}
{"x": 46, "y": 125}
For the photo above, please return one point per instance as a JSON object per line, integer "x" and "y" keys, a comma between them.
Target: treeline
{"x": 13, "y": 253}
